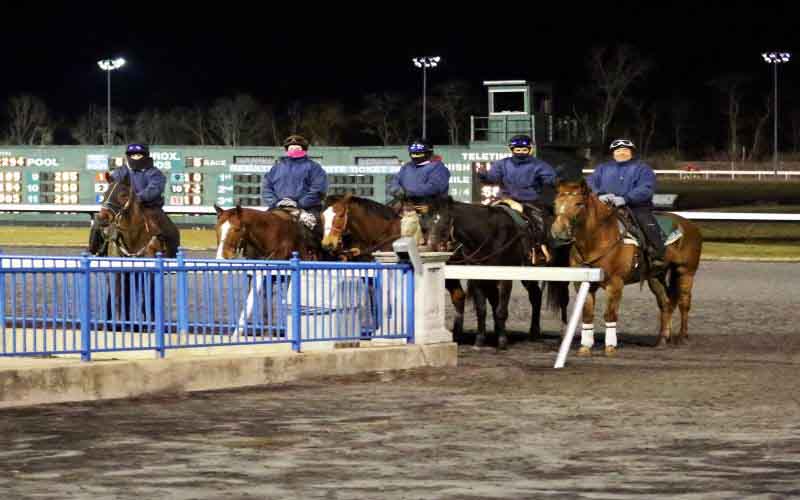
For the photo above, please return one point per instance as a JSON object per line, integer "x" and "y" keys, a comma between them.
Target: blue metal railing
{"x": 84, "y": 305}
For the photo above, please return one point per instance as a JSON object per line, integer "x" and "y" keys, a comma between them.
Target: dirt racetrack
{"x": 717, "y": 419}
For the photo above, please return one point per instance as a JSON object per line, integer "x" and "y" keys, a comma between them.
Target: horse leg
{"x": 500, "y": 312}
{"x": 665, "y": 309}
{"x": 535, "y": 298}
{"x": 479, "y": 301}
{"x": 458, "y": 298}
{"x": 614, "y": 297}
{"x": 685, "y": 283}
{"x": 587, "y": 328}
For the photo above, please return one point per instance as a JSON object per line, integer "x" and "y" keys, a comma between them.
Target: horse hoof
{"x": 480, "y": 341}
{"x": 662, "y": 343}
{"x": 502, "y": 343}
{"x": 611, "y": 351}
{"x": 584, "y": 352}
{"x": 535, "y": 333}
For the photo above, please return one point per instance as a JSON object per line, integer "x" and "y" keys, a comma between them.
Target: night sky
{"x": 281, "y": 53}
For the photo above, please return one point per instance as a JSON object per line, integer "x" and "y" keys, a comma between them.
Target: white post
{"x": 429, "y": 295}
{"x": 577, "y": 313}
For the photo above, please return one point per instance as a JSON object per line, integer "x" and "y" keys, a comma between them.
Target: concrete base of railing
{"x": 33, "y": 381}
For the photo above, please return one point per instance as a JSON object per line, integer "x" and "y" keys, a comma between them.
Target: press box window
{"x": 507, "y": 101}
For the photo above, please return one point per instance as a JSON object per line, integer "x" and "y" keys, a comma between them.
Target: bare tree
{"x": 379, "y": 116}
{"x": 613, "y": 72}
{"x": 232, "y": 118}
{"x": 29, "y": 120}
{"x": 645, "y": 123}
{"x": 731, "y": 86}
{"x": 758, "y": 130}
{"x": 795, "y": 119}
{"x": 324, "y": 123}
{"x": 148, "y": 126}
{"x": 452, "y": 102}
{"x": 265, "y": 130}
{"x": 588, "y": 125}
{"x": 679, "y": 112}
{"x": 195, "y": 121}
{"x": 295, "y": 115}
{"x": 91, "y": 127}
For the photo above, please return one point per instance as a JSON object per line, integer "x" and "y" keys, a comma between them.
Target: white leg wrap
{"x": 587, "y": 335}
{"x": 611, "y": 334}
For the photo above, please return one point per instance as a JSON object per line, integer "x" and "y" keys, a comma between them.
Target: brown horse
{"x": 362, "y": 225}
{"x": 125, "y": 230}
{"x": 356, "y": 227}
{"x": 594, "y": 230}
{"x": 257, "y": 234}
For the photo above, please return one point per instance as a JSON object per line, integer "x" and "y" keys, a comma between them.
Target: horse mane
{"x": 370, "y": 206}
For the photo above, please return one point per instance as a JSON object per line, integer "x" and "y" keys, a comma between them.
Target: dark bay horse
{"x": 488, "y": 236}
{"x": 125, "y": 229}
{"x": 258, "y": 234}
{"x": 356, "y": 227}
{"x": 593, "y": 228}
{"x": 125, "y": 232}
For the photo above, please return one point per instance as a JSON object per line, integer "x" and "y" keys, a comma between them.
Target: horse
{"x": 257, "y": 234}
{"x": 488, "y": 235}
{"x": 125, "y": 232}
{"x": 598, "y": 241}
{"x": 356, "y": 227}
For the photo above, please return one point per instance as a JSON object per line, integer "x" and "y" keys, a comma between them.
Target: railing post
{"x": 2, "y": 295}
{"x": 471, "y": 128}
{"x": 86, "y": 338}
{"x": 183, "y": 295}
{"x": 577, "y": 313}
{"x": 296, "y": 337}
{"x": 159, "y": 304}
{"x": 410, "y": 313}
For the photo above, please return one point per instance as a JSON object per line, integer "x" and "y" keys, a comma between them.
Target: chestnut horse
{"x": 598, "y": 240}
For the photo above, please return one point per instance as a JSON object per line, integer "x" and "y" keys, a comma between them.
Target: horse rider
{"x": 296, "y": 182}
{"x": 147, "y": 182}
{"x": 419, "y": 181}
{"x": 626, "y": 181}
{"x": 521, "y": 179}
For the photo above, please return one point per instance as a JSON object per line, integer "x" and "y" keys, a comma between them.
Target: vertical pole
{"x": 108, "y": 108}
{"x": 577, "y": 312}
{"x": 410, "y": 318}
{"x": 775, "y": 123}
{"x": 183, "y": 295}
{"x": 2, "y": 297}
{"x": 424, "y": 100}
{"x": 159, "y": 305}
{"x": 85, "y": 301}
{"x": 295, "y": 263}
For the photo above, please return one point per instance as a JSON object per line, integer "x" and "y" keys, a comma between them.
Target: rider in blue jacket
{"x": 628, "y": 181}
{"x": 522, "y": 178}
{"x": 296, "y": 181}
{"x": 421, "y": 178}
{"x": 148, "y": 183}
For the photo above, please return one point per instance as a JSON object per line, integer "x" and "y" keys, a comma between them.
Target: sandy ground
{"x": 716, "y": 419}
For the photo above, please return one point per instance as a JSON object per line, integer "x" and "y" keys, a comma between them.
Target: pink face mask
{"x": 295, "y": 153}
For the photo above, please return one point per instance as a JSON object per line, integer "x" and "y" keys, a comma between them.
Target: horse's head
{"x": 117, "y": 200}
{"x": 335, "y": 223}
{"x": 571, "y": 202}
{"x": 437, "y": 225}
{"x": 231, "y": 232}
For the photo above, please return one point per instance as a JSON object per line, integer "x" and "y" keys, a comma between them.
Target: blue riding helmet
{"x": 520, "y": 141}
{"x": 137, "y": 149}
{"x": 420, "y": 146}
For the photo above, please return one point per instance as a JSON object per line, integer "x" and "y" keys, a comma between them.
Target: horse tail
{"x": 673, "y": 285}
{"x": 557, "y": 292}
